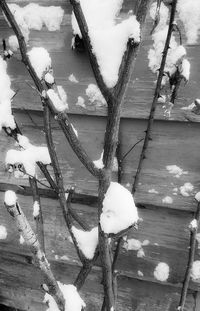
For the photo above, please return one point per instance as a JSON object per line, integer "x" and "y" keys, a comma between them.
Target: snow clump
{"x": 80, "y": 102}
{"x": 94, "y": 95}
{"x": 73, "y": 301}
{"x": 197, "y": 196}
{"x": 27, "y": 157}
{"x": 175, "y": 170}
{"x": 3, "y": 232}
{"x": 186, "y": 189}
{"x": 108, "y": 38}
{"x": 87, "y": 241}
{"x": 195, "y": 272}
{"x": 72, "y": 78}
{"x": 161, "y": 272}
{"x": 167, "y": 200}
{"x": 189, "y": 14}
{"x": 119, "y": 210}
{"x": 40, "y": 60}
{"x": 34, "y": 16}
{"x": 36, "y": 209}
{"x": 6, "y": 94}
{"x": 10, "y": 198}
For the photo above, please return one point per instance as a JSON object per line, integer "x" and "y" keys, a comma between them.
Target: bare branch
{"x": 156, "y": 95}
{"x": 193, "y": 234}
{"x": 38, "y": 218}
{"x": 31, "y": 240}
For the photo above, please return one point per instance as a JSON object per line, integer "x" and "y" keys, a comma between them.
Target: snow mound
{"x": 161, "y": 272}
{"x": 119, "y": 210}
{"x": 40, "y": 60}
{"x": 87, "y": 241}
{"x": 10, "y": 198}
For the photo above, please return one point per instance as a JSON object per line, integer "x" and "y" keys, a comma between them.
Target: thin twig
{"x": 193, "y": 234}
{"x": 156, "y": 95}
{"x": 127, "y": 153}
{"x": 31, "y": 240}
{"x": 38, "y": 218}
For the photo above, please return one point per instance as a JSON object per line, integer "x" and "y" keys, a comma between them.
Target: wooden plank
{"x": 173, "y": 143}
{"x": 21, "y": 288}
{"x": 65, "y": 61}
{"x": 166, "y": 230}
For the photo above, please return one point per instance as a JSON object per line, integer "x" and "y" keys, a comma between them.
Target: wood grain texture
{"x": 65, "y": 61}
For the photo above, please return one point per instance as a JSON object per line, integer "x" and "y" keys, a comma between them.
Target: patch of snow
{"x": 36, "y": 209}
{"x": 87, "y": 241}
{"x": 153, "y": 191}
{"x": 28, "y": 158}
{"x": 193, "y": 224}
{"x": 10, "y": 198}
{"x": 198, "y": 239}
{"x": 34, "y": 16}
{"x": 108, "y": 38}
{"x": 119, "y": 210}
{"x": 56, "y": 100}
{"x": 190, "y": 107}
{"x": 145, "y": 243}
{"x": 72, "y": 78}
{"x": 21, "y": 239}
{"x": 13, "y": 43}
{"x": 81, "y": 102}
{"x": 186, "y": 189}
{"x": 75, "y": 131}
{"x": 99, "y": 163}
{"x": 140, "y": 273}
{"x": 64, "y": 257}
{"x": 3, "y": 232}
{"x": 167, "y": 200}
{"x": 73, "y": 301}
{"x": 161, "y": 272}
{"x": 132, "y": 244}
{"x": 197, "y": 196}
{"x": 140, "y": 253}
{"x": 40, "y": 60}
{"x": 6, "y": 94}
{"x": 195, "y": 272}
{"x": 176, "y": 171}
{"x": 185, "y": 69}
{"x": 189, "y": 13}
{"x": 49, "y": 78}
{"x": 95, "y": 96}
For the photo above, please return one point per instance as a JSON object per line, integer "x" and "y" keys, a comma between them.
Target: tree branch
{"x": 156, "y": 95}
{"x": 61, "y": 116}
{"x": 31, "y": 240}
{"x": 38, "y": 218}
{"x": 193, "y": 234}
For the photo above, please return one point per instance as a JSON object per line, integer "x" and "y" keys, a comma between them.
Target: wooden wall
{"x": 175, "y": 141}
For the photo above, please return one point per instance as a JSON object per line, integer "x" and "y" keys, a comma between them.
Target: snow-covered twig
{"x": 60, "y": 116}
{"x": 38, "y": 214}
{"x": 156, "y": 95}
{"x": 31, "y": 240}
{"x": 193, "y": 234}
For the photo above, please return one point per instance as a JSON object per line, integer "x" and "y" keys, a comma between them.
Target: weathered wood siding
{"x": 175, "y": 141}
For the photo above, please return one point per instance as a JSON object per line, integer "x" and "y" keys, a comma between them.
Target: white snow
{"x": 10, "y": 198}
{"x": 153, "y": 191}
{"x": 161, "y": 272}
{"x": 140, "y": 273}
{"x": 176, "y": 53}
{"x": 185, "y": 69}
{"x": 193, "y": 224}
{"x": 49, "y": 78}
{"x": 3, "y": 232}
{"x": 189, "y": 13}
{"x": 119, "y": 210}
{"x": 72, "y": 78}
{"x": 175, "y": 170}
{"x": 195, "y": 272}
{"x": 132, "y": 244}
{"x": 186, "y": 189}
{"x": 40, "y": 60}
{"x": 198, "y": 239}
{"x": 6, "y": 94}
{"x": 57, "y": 100}
{"x": 140, "y": 253}
{"x": 21, "y": 239}
{"x": 197, "y": 196}
{"x": 99, "y": 163}
{"x": 190, "y": 107}
{"x": 34, "y": 16}
{"x": 108, "y": 38}
{"x": 145, "y": 243}
{"x": 94, "y": 95}
{"x": 80, "y": 102}
{"x": 73, "y": 301}
{"x": 167, "y": 200}
{"x": 87, "y": 241}
{"x": 27, "y": 157}
{"x": 36, "y": 209}
{"x": 13, "y": 43}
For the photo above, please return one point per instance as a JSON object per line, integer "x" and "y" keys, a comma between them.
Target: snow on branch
{"x": 119, "y": 210}
{"x": 24, "y": 161}
{"x": 108, "y": 38}
{"x": 6, "y": 95}
{"x": 31, "y": 240}
{"x": 34, "y": 16}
